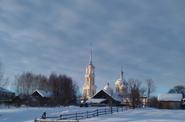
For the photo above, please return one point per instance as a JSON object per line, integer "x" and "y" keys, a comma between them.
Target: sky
{"x": 146, "y": 37}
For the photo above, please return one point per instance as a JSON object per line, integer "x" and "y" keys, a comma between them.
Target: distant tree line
{"x": 3, "y": 81}
{"x": 62, "y": 87}
{"x": 180, "y": 89}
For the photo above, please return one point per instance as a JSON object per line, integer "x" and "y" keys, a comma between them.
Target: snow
{"x": 28, "y": 114}
{"x": 142, "y": 115}
{"x": 170, "y": 97}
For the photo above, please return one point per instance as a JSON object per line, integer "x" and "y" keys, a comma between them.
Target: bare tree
{"x": 1, "y": 73}
{"x": 63, "y": 88}
{"x": 178, "y": 89}
{"x": 142, "y": 91}
{"x": 23, "y": 83}
{"x": 150, "y": 87}
{"x": 27, "y": 82}
{"x": 3, "y": 81}
{"x": 134, "y": 87}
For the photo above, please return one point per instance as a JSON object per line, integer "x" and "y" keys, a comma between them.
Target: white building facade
{"x": 89, "y": 88}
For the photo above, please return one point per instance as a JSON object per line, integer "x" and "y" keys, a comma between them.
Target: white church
{"x": 107, "y": 93}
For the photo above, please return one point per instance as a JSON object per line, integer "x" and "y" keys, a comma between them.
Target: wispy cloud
{"x": 146, "y": 37}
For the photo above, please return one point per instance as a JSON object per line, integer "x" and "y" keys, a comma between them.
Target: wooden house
{"x": 103, "y": 98}
{"x": 183, "y": 103}
{"x": 170, "y": 101}
{"x": 6, "y": 95}
{"x": 41, "y": 97}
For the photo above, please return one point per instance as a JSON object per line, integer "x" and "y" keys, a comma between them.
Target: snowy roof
{"x": 95, "y": 100}
{"x": 170, "y": 97}
{"x": 5, "y": 90}
{"x": 113, "y": 97}
{"x": 44, "y": 93}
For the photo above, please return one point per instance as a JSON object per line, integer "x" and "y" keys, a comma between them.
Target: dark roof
{"x": 42, "y": 93}
{"x": 103, "y": 95}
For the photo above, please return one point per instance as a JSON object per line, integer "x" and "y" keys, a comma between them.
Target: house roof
{"x": 5, "y": 90}
{"x": 102, "y": 91}
{"x": 43, "y": 93}
{"x": 170, "y": 97}
{"x": 105, "y": 96}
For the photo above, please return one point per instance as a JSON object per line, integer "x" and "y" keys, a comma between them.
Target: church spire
{"x": 90, "y": 61}
{"x": 89, "y": 88}
{"x": 121, "y": 73}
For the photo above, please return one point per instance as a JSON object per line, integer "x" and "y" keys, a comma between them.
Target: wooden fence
{"x": 87, "y": 114}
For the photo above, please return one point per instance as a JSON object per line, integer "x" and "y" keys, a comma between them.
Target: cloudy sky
{"x": 146, "y": 37}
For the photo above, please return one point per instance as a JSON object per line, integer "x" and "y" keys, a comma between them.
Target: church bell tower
{"x": 120, "y": 86}
{"x": 89, "y": 88}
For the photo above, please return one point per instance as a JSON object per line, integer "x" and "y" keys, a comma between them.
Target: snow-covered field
{"x": 28, "y": 114}
{"x": 142, "y": 115}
